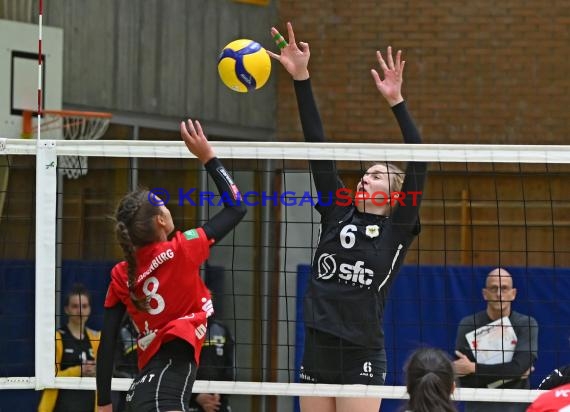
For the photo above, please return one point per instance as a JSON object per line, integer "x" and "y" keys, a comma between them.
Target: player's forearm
{"x": 410, "y": 132}
{"x": 234, "y": 209}
{"x": 309, "y": 113}
{"x": 510, "y": 370}
{"x": 105, "y": 355}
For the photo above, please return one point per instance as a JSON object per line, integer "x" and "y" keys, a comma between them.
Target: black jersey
{"x": 75, "y": 352}
{"x": 356, "y": 261}
{"x": 358, "y": 254}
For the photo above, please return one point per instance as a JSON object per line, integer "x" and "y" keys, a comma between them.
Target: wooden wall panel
{"x": 172, "y": 50}
{"x": 514, "y": 226}
{"x": 195, "y": 59}
{"x": 89, "y": 42}
{"x": 17, "y": 223}
{"x": 211, "y": 47}
{"x": 150, "y": 57}
{"x": 510, "y": 220}
{"x": 229, "y": 30}
{"x": 129, "y": 53}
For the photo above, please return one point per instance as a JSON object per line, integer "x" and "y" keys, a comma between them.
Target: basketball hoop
{"x": 69, "y": 125}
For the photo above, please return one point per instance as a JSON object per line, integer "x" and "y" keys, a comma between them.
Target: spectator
{"x": 75, "y": 349}
{"x": 497, "y": 347}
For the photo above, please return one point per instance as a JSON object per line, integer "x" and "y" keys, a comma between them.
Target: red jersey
{"x": 555, "y": 400}
{"x": 168, "y": 274}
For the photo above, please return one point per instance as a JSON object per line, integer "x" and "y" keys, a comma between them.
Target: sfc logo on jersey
{"x": 326, "y": 266}
{"x": 355, "y": 274}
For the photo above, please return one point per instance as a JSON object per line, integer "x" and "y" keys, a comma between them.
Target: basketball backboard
{"x": 19, "y": 76}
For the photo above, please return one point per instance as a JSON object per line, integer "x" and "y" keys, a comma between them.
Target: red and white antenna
{"x": 40, "y": 63}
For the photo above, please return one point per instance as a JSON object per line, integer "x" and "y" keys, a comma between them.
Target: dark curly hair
{"x": 135, "y": 228}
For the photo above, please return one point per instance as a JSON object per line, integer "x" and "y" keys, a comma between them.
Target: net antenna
{"x": 69, "y": 125}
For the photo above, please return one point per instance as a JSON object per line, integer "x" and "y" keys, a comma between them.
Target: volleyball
{"x": 244, "y": 66}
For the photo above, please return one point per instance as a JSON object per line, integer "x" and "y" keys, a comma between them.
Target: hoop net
{"x": 70, "y": 125}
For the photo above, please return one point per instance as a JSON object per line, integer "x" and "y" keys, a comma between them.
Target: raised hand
{"x": 391, "y": 86}
{"x": 294, "y": 56}
{"x": 196, "y": 141}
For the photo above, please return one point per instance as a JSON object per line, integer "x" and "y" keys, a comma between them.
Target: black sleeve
{"x": 112, "y": 318}
{"x": 324, "y": 172}
{"x": 234, "y": 210}
{"x": 558, "y": 377}
{"x": 406, "y": 214}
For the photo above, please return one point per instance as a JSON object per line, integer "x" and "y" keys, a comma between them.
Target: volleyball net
{"x": 484, "y": 206}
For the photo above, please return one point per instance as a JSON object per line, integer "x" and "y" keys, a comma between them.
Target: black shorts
{"x": 165, "y": 384}
{"x": 330, "y": 359}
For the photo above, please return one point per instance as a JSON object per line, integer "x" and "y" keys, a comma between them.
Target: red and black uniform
{"x": 169, "y": 274}
{"x": 172, "y": 330}
{"x": 356, "y": 261}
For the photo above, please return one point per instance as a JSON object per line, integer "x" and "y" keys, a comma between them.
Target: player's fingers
{"x": 304, "y": 47}
{"x": 376, "y": 77}
{"x": 191, "y": 128}
{"x": 279, "y": 40}
{"x": 290, "y": 33}
{"x": 381, "y": 61}
{"x": 402, "y": 67}
{"x": 184, "y": 131}
{"x": 199, "y": 129}
{"x": 390, "y": 58}
{"x": 275, "y": 56}
{"x": 398, "y": 60}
